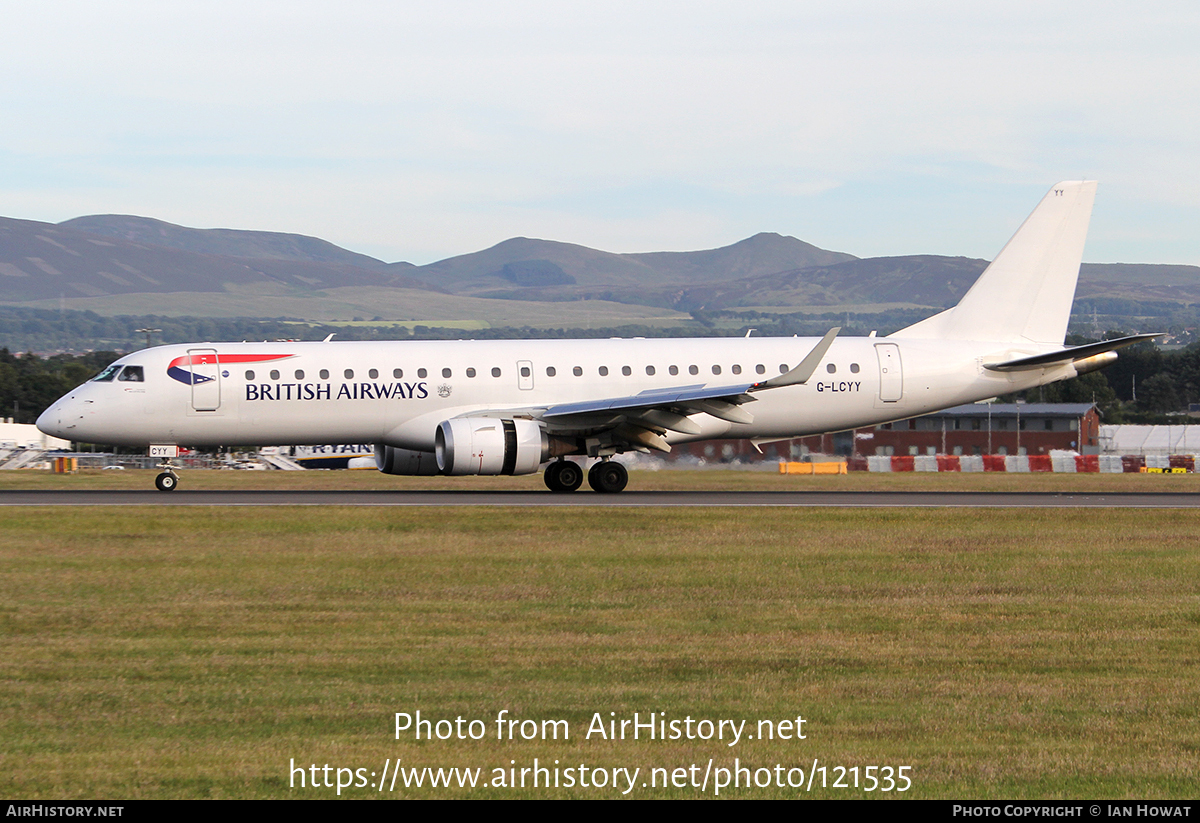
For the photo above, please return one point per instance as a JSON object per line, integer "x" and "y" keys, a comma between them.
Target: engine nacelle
{"x": 390, "y": 460}
{"x": 489, "y": 445}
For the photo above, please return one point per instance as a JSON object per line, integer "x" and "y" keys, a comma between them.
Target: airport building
{"x": 989, "y": 428}
{"x": 971, "y": 429}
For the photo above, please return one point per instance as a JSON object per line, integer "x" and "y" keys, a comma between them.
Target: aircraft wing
{"x": 671, "y": 408}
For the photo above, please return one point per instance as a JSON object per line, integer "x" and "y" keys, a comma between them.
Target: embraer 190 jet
{"x": 511, "y": 406}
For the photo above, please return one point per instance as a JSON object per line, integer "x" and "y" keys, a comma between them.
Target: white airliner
{"x": 509, "y": 406}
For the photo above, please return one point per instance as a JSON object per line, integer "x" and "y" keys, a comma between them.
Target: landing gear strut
{"x": 563, "y": 476}
{"x": 608, "y": 477}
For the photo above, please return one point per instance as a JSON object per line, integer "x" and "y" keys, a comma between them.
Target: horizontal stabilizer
{"x": 1068, "y": 355}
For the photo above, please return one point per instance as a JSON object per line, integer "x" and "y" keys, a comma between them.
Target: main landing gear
{"x": 563, "y": 476}
{"x": 606, "y": 476}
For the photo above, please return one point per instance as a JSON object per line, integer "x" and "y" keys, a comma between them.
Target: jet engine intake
{"x": 490, "y": 445}
{"x": 391, "y": 460}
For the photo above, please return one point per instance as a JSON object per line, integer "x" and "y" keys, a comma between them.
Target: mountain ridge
{"x": 110, "y": 255}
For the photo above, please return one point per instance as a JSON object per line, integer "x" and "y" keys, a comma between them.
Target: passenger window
{"x": 107, "y": 375}
{"x": 854, "y": 368}
{"x": 132, "y": 374}
{"x": 446, "y": 372}
{"x": 760, "y": 369}
{"x": 373, "y": 373}
{"x": 495, "y": 372}
{"x": 349, "y": 374}
{"x": 397, "y": 373}
{"x": 324, "y": 374}
{"x": 249, "y": 375}
{"x": 693, "y": 370}
{"x": 604, "y": 371}
{"x": 832, "y": 369}
{"x": 274, "y": 374}
{"x": 299, "y": 374}
{"x": 650, "y": 370}
{"x": 471, "y": 372}
{"x": 716, "y": 369}
{"x": 673, "y": 370}
{"x": 783, "y": 368}
{"x": 525, "y": 371}
{"x": 737, "y": 369}
{"x": 577, "y": 371}
{"x": 422, "y": 373}
{"x": 551, "y": 371}
{"x": 625, "y": 370}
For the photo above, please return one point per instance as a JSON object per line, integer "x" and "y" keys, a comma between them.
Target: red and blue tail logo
{"x": 180, "y": 367}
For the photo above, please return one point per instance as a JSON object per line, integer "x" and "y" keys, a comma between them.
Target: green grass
{"x": 999, "y": 653}
{"x": 343, "y": 304}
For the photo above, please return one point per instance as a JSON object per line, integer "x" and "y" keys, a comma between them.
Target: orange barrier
{"x": 835, "y": 467}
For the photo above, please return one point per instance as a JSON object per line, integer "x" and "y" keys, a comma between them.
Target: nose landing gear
{"x": 167, "y": 480}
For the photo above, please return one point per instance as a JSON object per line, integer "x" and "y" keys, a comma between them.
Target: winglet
{"x": 808, "y": 365}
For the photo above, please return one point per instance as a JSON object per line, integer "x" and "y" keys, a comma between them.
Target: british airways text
{"x": 345, "y": 391}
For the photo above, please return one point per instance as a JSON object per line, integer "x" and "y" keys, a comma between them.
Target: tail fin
{"x": 1025, "y": 294}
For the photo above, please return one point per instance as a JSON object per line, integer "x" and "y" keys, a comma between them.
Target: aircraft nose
{"x": 52, "y": 419}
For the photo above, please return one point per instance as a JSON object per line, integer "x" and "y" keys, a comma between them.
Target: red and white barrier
{"x": 1057, "y": 462}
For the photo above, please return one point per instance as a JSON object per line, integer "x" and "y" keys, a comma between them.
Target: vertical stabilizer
{"x": 1025, "y": 295}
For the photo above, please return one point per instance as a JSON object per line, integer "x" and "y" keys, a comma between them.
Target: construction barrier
{"x": 1057, "y": 462}
{"x": 66, "y": 465}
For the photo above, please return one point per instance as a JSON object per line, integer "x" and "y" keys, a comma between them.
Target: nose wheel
{"x": 608, "y": 477}
{"x": 167, "y": 480}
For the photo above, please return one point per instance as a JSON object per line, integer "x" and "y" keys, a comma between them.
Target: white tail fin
{"x": 1026, "y": 293}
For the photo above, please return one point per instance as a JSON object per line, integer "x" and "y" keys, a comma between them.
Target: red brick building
{"x": 975, "y": 428}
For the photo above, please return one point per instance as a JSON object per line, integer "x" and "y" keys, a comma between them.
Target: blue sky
{"x": 415, "y": 131}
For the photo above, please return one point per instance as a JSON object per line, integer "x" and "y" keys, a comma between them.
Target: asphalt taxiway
{"x": 795, "y": 499}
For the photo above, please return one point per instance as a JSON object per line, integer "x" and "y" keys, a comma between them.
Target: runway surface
{"x": 1041, "y": 500}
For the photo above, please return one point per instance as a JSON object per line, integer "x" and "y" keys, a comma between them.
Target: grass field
{"x": 998, "y": 653}
{"x": 395, "y": 304}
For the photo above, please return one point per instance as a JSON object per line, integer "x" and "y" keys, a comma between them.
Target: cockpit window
{"x": 108, "y": 374}
{"x": 132, "y": 374}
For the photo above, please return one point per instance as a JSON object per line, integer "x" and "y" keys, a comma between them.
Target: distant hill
{"x": 585, "y": 270}
{"x": 40, "y": 261}
{"x": 260, "y": 245}
{"x": 927, "y": 280}
{"x": 102, "y": 258}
